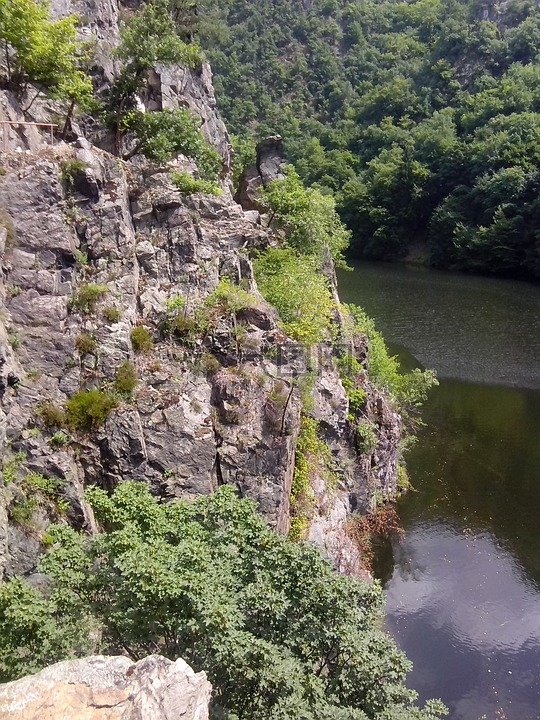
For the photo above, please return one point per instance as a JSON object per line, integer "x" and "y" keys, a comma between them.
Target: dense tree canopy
{"x": 280, "y": 634}
{"x": 422, "y": 116}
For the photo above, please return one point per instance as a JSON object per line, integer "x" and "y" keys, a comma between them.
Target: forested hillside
{"x": 422, "y": 117}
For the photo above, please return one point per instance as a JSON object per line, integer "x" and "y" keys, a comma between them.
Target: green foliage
{"x": 22, "y": 512}
{"x": 230, "y": 299}
{"x": 37, "y": 630}
{"x": 357, "y": 397}
{"x": 408, "y": 390}
{"x": 46, "y": 51}
{"x": 189, "y": 185}
{"x": 112, "y": 313}
{"x": 279, "y": 633}
{"x": 294, "y": 285}
{"x": 141, "y": 339}
{"x": 86, "y": 410}
{"x": 11, "y": 465}
{"x": 366, "y": 436}
{"x": 6, "y": 221}
{"x": 87, "y": 297}
{"x": 150, "y": 38}
{"x": 69, "y": 170}
{"x": 244, "y": 154}
{"x": 85, "y": 344}
{"x": 408, "y": 112}
{"x": 59, "y": 439}
{"x": 160, "y": 135}
{"x": 51, "y": 415}
{"x": 308, "y": 217}
{"x": 126, "y": 378}
{"x": 312, "y": 456}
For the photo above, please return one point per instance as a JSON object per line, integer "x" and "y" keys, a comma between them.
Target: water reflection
{"x": 479, "y": 620}
{"x": 464, "y": 585}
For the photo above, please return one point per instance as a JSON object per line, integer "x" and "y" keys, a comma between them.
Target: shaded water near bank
{"x": 463, "y": 586}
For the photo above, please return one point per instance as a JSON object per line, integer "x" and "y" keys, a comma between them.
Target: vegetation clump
{"x": 88, "y": 409}
{"x": 44, "y": 51}
{"x": 69, "y": 170}
{"x": 112, "y": 313}
{"x": 126, "y": 378}
{"x": 51, "y": 415}
{"x": 279, "y": 633}
{"x": 294, "y": 285}
{"x": 409, "y": 390}
{"x": 141, "y": 339}
{"x": 85, "y": 344}
{"x": 312, "y": 455}
{"x": 6, "y": 221}
{"x": 87, "y": 297}
{"x": 189, "y": 185}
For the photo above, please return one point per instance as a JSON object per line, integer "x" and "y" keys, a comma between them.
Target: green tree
{"x": 159, "y": 135}
{"x": 43, "y": 51}
{"x": 308, "y": 217}
{"x": 294, "y": 285}
{"x": 151, "y": 37}
{"x": 280, "y": 634}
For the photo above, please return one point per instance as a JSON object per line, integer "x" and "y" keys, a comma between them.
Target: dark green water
{"x": 463, "y": 586}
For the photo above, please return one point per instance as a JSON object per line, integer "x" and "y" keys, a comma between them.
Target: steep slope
{"x": 422, "y": 116}
{"x": 94, "y": 248}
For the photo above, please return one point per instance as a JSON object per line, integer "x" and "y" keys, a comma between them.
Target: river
{"x": 463, "y": 586}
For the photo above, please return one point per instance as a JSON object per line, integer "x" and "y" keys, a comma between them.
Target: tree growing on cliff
{"x": 280, "y": 634}
{"x": 308, "y": 217}
{"x": 148, "y": 39}
{"x": 43, "y": 51}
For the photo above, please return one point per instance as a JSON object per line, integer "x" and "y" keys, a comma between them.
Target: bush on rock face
{"x": 280, "y": 634}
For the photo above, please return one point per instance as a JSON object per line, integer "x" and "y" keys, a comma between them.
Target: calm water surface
{"x": 463, "y": 587}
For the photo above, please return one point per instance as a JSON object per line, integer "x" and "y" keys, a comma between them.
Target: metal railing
{"x": 6, "y": 123}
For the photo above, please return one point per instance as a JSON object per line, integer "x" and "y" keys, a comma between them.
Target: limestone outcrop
{"x": 109, "y": 688}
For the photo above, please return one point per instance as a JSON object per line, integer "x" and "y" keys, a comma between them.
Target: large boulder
{"x": 109, "y": 688}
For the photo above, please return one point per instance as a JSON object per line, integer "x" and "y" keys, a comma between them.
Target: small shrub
{"x": 294, "y": 285}
{"x": 69, "y": 169}
{"x": 3, "y": 172}
{"x": 357, "y": 398}
{"x": 81, "y": 258}
{"x": 88, "y": 409}
{"x": 14, "y": 339}
{"x": 188, "y": 185}
{"x": 37, "y": 483}
{"x": 85, "y": 344}
{"x": 141, "y": 339}
{"x": 312, "y": 455}
{"x": 112, "y": 313}
{"x": 366, "y": 436}
{"x": 403, "y": 480}
{"x": 230, "y": 298}
{"x": 59, "y": 439}
{"x": 126, "y": 378}
{"x": 6, "y": 221}
{"x": 23, "y": 512}
{"x": 86, "y": 298}
{"x": 51, "y": 415}
{"x": 210, "y": 364}
{"x": 11, "y": 465}
{"x": 13, "y": 290}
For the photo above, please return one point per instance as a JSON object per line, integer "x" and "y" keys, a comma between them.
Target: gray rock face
{"x": 268, "y": 164}
{"x": 217, "y": 405}
{"x": 109, "y": 688}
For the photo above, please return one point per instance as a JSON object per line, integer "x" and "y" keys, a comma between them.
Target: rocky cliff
{"x": 109, "y": 688}
{"x": 92, "y": 249}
